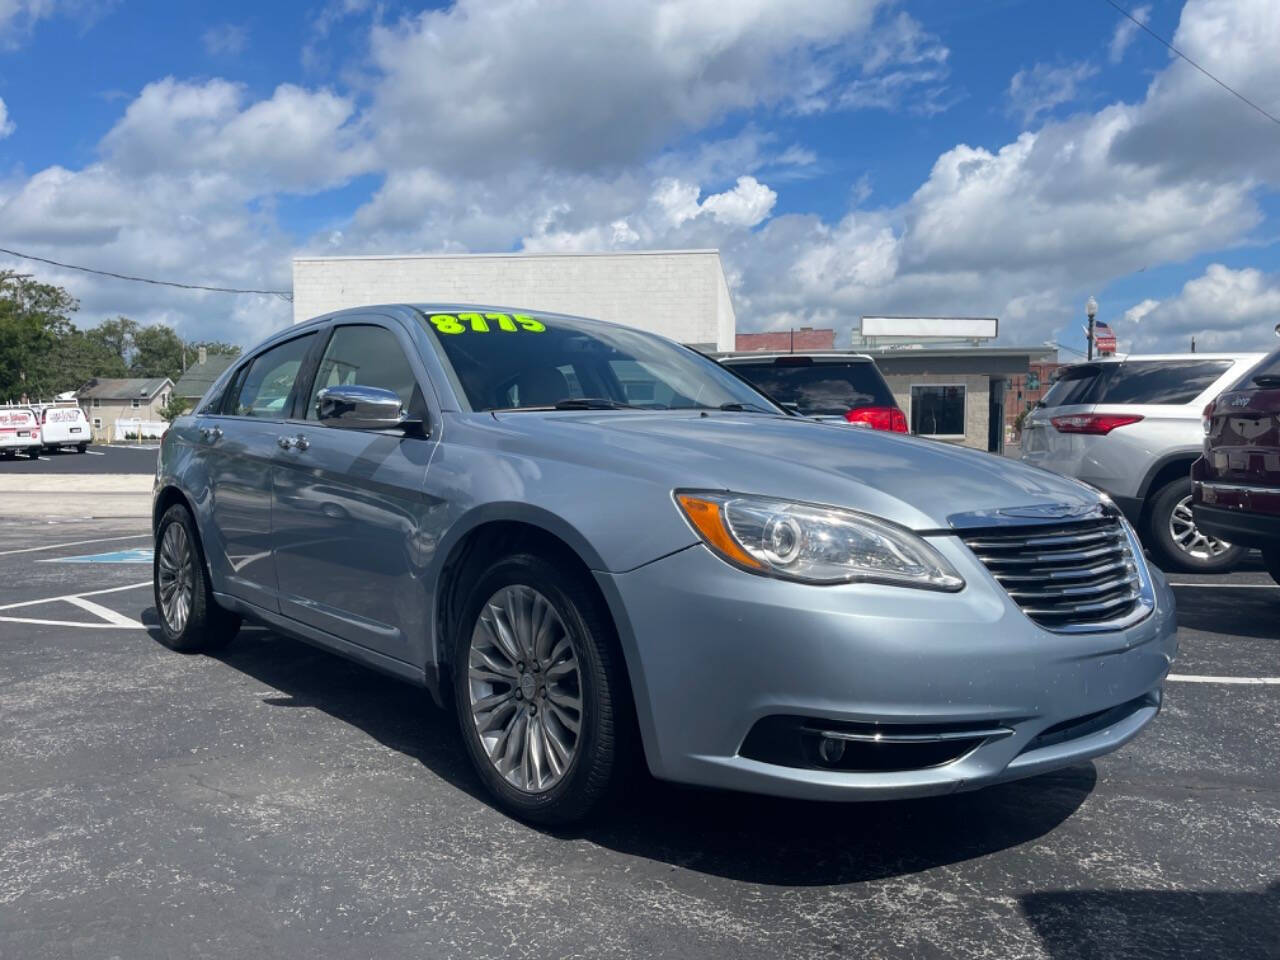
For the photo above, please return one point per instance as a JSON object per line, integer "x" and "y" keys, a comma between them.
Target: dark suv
{"x": 824, "y": 386}
{"x": 1237, "y": 481}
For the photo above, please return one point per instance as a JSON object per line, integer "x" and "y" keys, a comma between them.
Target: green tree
{"x": 116, "y": 336}
{"x": 157, "y": 352}
{"x": 172, "y": 410}
{"x": 34, "y": 320}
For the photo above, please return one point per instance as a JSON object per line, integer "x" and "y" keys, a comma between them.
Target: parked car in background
{"x": 1131, "y": 427}
{"x": 466, "y": 498}
{"x": 1237, "y": 481}
{"x": 19, "y": 432}
{"x": 63, "y": 425}
{"x": 844, "y": 387}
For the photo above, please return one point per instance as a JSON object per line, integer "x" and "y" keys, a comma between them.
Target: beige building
{"x": 107, "y": 401}
{"x": 957, "y": 394}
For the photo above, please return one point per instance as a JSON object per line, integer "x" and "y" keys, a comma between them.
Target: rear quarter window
{"x": 1162, "y": 381}
{"x": 820, "y": 389}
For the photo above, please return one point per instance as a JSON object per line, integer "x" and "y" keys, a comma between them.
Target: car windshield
{"x": 521, "y": 361}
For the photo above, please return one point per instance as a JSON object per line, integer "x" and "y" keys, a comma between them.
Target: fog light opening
{"x": 831, "y": 750}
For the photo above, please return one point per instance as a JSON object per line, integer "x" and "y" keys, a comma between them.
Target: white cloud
{"x": 481, "y": 86}
{"x": 746, "y": 205}
{"x": 18, "y": 18}
{"x": 227, "y": 39}
{"x": 7, "y": 126}
{"x": 296, "y": 140}
{"x": 1126, "y": 30}
{"x": 1042, "y": 88}
{"x": 1224, "y": 309}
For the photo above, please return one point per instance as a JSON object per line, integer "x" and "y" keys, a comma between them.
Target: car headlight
{"x": 812, "y": 543}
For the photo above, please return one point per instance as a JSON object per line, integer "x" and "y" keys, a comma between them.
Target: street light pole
{"x": 1091, "y": 309}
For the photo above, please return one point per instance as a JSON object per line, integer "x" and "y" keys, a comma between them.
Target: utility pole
{"x": 1091, "y": 310}
{"x": 1193, "y": 344}
{"x": 793, "y": 339}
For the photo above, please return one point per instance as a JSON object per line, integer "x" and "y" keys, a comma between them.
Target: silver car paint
{"x": 349, "y": 537}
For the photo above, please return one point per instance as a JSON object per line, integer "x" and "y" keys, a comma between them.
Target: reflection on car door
{"x": 349, "y": 514}
{"x": 240, "y": 447}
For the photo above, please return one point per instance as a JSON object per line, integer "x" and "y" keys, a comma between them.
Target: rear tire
{"x": 81, "y": 447}
{"x": 568, "y": 653}
{"x": 1173, "y": 539}
{"x": 190, "y": 619}
{"x": 1271, "y": 557}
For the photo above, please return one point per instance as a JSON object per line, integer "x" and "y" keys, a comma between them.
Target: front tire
{"x": 190, "y": 619}
{"x": 81, "y": 447}
{"x": 540, "y": 691}
{"x": 1175, "y": 541}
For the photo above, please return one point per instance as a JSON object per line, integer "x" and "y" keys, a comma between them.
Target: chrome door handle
{"x": 300, "y": 442}
{"x": 285, "y": 443}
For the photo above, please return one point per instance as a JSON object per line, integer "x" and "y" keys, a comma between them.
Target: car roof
{"x": 1172, "y": 356}
{"x": 816, "y": 356}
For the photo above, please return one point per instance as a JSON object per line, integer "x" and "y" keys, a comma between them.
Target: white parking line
{"x": 72, "y": 596}
{"x": 1198, "y": 678}
{"x": 94, "y": 453}
{"x": 72, "y": 543}
{"x": 1230, "y": 586}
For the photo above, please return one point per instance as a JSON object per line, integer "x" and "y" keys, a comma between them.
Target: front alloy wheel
{"x": 1176, "y": 542}
{"x": 540, "y": 688}
{"x": 525, "y": 688}
{"x": 190, "y": 618}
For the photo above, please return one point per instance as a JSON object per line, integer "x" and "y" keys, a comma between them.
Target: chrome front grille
{"x": 1072, "y": 576}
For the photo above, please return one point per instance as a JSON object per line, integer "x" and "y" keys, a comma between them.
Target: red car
{"x": 1236, "y": 493}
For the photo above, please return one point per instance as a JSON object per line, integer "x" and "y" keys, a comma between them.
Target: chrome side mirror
{"x": 362, "y": 408}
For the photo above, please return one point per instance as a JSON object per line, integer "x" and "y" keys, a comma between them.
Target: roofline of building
{"x": 510, "y": 255}
{"x": 960, "y": 351}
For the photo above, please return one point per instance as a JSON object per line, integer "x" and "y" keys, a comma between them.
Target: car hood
{"x": 914, "y": 482}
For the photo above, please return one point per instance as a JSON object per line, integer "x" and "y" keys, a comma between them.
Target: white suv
{"x": 1132, "y": 428}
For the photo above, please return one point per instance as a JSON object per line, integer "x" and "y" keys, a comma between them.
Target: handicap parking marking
{"x": 74, "y": 543}
{"x": 136, "y": 555}
{"x": 107, "y": 619}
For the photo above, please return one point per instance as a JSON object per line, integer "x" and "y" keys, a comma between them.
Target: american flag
{"x": 1103, "y": 338}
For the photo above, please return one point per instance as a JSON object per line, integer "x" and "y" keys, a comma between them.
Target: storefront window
{"x": 937, "y": 410}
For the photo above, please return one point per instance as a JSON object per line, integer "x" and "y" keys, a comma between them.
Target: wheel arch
{"x": 494, "y": 534}
{"x": 1168, "y": 468}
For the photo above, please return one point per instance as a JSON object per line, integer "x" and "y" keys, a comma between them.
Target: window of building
{"x": 135, "y": 403}
{"x": 97, "y": 422}
{"x": 96, "y": 403}
{"x": 938, "y": 410}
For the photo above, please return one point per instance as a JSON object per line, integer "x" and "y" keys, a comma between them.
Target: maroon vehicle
{"x": 1236, "y": 494}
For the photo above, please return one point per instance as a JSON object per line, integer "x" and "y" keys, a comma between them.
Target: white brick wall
{"x": 680, "y": 294}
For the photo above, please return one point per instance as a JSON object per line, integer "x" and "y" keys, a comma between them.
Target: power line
{"x": 1231, "y": 90}
{"x": 282, "y": 294}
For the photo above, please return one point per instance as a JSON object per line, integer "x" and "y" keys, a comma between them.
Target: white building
{"x": 680, "y": 294}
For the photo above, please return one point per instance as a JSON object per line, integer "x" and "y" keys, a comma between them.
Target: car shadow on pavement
{"x": 738, "y": 836}
{"x": 1186, "y": 925}
{"x": 1238, "y": 613}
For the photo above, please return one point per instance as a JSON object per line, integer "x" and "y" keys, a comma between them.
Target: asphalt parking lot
{"x": 100, "y": 458}
{"x": 279, "y": 801}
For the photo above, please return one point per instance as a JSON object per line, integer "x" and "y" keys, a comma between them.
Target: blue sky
{"x": 1008, "y": 157}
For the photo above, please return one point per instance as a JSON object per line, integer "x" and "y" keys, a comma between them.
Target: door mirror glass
{"x": 357, "y": 407}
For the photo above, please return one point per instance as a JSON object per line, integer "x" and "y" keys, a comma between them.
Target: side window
{"x": 369, "y": 356}
{"x": 265, "y": 388}
{"x": 1163, "y": 381}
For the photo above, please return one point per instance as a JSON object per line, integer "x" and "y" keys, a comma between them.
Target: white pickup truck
{"x": 63, "y": 425}
{"x": 19, "y": 432}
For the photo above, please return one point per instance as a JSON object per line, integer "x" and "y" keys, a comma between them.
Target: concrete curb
{"x": 71, "y": 495}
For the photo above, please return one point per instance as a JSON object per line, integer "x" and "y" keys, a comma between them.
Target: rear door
{"x": 350, "y": 527}
{"x": 239, "y": 443}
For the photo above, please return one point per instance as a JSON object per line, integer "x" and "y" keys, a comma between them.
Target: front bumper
{"x": 712, "y": 650}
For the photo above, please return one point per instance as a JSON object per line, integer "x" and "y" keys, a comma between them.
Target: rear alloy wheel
{"x": 1176, "y": 541}
{"x": 190, "y": 619}
{"x": 538, "y": 686}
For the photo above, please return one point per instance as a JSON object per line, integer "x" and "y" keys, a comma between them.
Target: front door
{"x": 349, "y": 516}
{"x": 241, "y": 446}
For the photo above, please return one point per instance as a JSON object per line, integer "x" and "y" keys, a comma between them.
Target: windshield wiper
{"x": 591, "y": 403}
